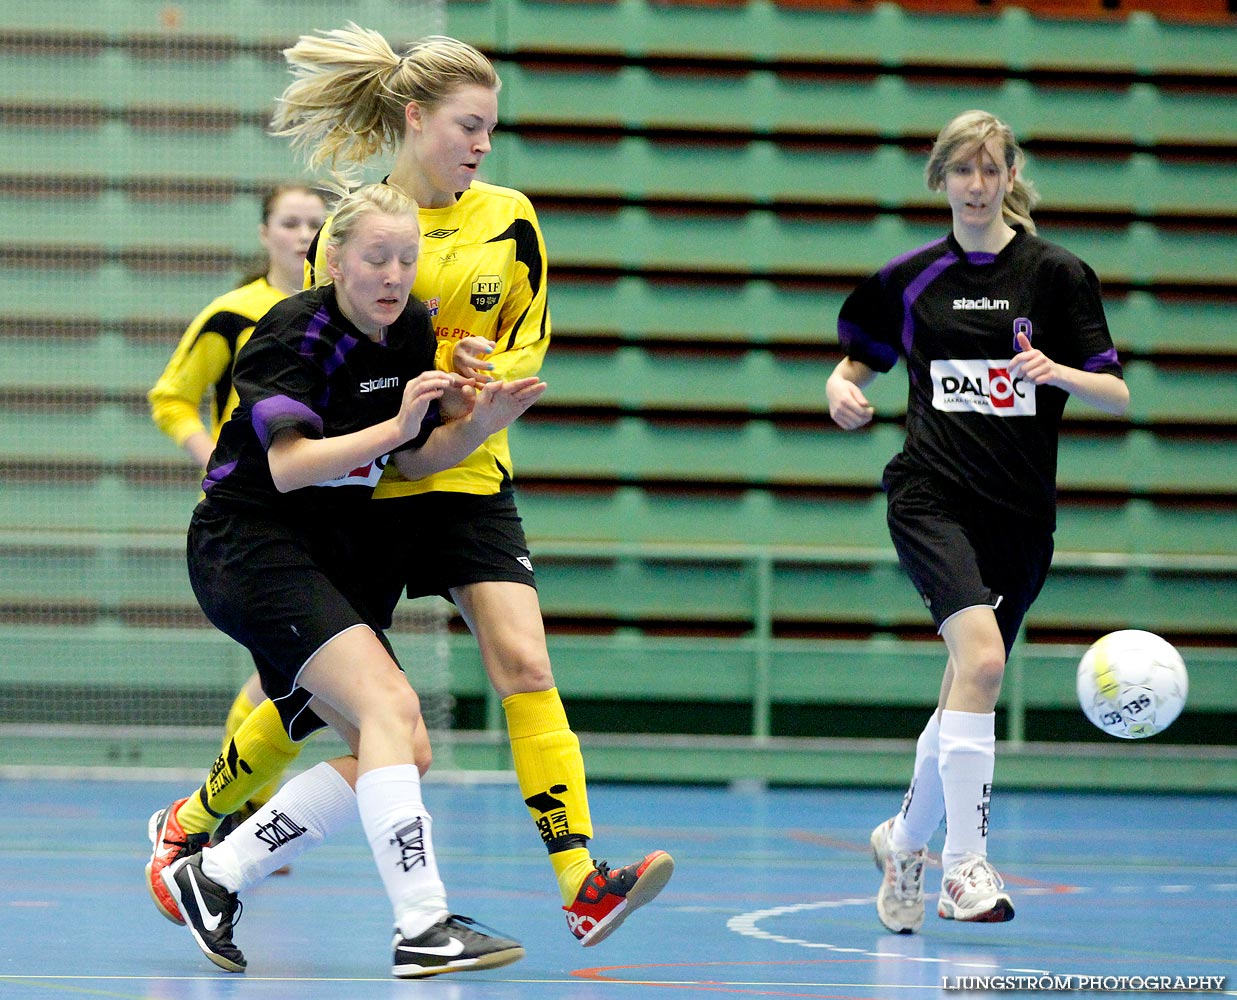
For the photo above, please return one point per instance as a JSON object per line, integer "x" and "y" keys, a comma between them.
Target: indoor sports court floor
{"x": 772, "y": 897}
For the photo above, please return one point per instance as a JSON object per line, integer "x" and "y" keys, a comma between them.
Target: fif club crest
{"x": 486, "y": 291}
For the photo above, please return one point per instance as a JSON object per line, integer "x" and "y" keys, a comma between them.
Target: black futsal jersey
{"x": 954, "y": 316}
{"x": 307, "y": 367}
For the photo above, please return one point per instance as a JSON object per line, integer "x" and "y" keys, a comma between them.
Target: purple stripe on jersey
{"x": 217, "y": 476}
{"x": 1105, "y": 360}
{"x": 314, "y": 333}
{"x": 980, "y": 257}
{"x": 339, "y": 354}
{"x": 282, "y": 411}
{"x": 851, "y": 334}
{"x": 915, "y": 289}
{"x": 903, "y": 258}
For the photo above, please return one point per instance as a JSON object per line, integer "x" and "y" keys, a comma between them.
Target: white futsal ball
{"x": 1132, "y": 684}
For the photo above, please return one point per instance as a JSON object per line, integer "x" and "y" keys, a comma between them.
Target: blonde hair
{"x": 346, "y": 103}
{"x": 965, "y": 136}
{"x": 352, "y": 208}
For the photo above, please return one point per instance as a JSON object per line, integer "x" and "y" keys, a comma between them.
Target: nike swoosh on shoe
{"x": 456, "y": 947}
{"x": 210, "y": 921}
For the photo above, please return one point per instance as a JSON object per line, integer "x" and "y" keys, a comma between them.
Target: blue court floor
{"x": 772, "y": 897}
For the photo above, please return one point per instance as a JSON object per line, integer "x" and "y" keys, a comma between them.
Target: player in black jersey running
{"x": 334, "y": 382}
{"x": 998, "y": 328}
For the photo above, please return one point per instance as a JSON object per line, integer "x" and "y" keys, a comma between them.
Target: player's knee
{"x": 987, "y": 670}
{"x": 422, "y": 752}
{"x": 519, "y": 669}
{"x": 346, "y": 767}
{"x": 392, "y": 705}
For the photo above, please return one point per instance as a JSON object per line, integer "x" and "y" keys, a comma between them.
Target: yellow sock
{"x": 256, "y": 755}
{"x": 550, "y": 770}
{"x": 242, "y": 706}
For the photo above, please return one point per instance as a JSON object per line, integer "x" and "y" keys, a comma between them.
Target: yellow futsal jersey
{"x": 481, "y": 273}
{"x": 203, "y": 359}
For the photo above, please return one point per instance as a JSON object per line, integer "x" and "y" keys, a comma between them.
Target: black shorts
{"x": 961, "y": 555}
{"x": 282, "y": 593}
{"x": 429, "y": 543}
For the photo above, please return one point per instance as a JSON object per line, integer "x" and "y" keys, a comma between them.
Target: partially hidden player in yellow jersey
{"x": 482, "y": 276}
{"x": 201, "y": 365}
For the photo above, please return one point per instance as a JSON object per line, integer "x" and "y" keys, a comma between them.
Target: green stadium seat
{"x": 113, "y": 221}
{"x": 676, "y": 513}
{"x": 68, "y": 500}
{"x": 111, "y": 290}
{"x": 1148, "y": 324}
{"x": 1202, "y": 526}
{"x": 86, "y": 141}
{"x": 1141, "y": 183}
{"x": 761, "y": 101}
{"x": 766, "y": 243}
{"x": 634, "y": 307}
{"x": 880, "y": 33}
{"x": 167, "y": 76}
{"x": 1198, "y": 395}
{"x": 103, "y": 360}
{"x": 1143, "y": 462}
{"x": 755, "y": 452}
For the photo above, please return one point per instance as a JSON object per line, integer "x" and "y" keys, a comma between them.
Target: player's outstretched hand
{"x": 1031, "y": 364}
{"x": 848, "y": 406}
{"x": 500, "y": 404}
{"x": 459, "y": 397}
{"x": 418, "y": 394}
{"x": 471, "y": 359}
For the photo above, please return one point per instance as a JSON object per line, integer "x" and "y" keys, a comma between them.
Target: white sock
{"x": 923, "y": 806}
{"x": 398, "y": 827}
{"x": 968, "y": 757}
{"x": 303, "y": 813}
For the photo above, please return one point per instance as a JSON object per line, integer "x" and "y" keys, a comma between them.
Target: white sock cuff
{"x": 379, "y": 779}
{"x": 967, "y": 730}
{"x": 929, "y": 742}
{"x": 328, "y": 798}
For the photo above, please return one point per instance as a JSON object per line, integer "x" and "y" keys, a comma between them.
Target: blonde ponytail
{"x": 346, "y": 102}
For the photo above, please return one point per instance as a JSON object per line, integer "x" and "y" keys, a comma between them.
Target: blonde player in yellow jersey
{"x": 201, "y": 365}
{"x": 482, "y": 275}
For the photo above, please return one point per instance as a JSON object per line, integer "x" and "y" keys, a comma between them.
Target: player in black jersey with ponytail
{"x": 998, "y": 328}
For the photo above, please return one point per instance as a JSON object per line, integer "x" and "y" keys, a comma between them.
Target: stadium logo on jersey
{"x": 980, "y": 387}
{"x": 440, "y": 234}
{"x": 486, "y": 291}
{"x": 373, "y": 384}
{"x": 431, "y": 305}
{"x": 984, "y": 303}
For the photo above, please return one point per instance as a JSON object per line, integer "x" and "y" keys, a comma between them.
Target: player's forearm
{"x": 855, "y": 372}
{"x": 1101, "y": 390}
{"x": 298, "y": 461}
{"x": 449, "y": 445}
